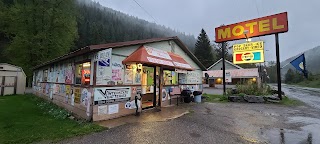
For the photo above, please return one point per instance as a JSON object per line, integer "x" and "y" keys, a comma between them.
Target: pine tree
{"x": 203, "y": 49}
{"x": 218, "y": 50}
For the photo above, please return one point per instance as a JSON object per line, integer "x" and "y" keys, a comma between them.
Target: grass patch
{"x": 27, "y": 119}
{"x": 290, "y": 102}
{"x": 312, "y": 84}
{"x": 215, "y": 98}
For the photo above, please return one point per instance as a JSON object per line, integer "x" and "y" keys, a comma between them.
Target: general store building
{"x": 100, "y": 82}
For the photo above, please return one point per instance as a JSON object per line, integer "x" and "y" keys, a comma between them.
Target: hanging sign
{"x": 272, "y": 24}
{"x": 251, "y": 52}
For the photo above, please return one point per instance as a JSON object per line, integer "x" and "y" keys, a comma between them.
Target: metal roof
{"x": 94, "y": 48}
{"x": 235, "y": 73}
{"x": 238, "y": 67}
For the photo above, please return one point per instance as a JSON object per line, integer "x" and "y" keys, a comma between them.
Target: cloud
{"x": 190, "y": 16}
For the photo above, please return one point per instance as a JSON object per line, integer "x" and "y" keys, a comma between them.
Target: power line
{"x": 145, "y": 11}
{"x": 257, "y": 12}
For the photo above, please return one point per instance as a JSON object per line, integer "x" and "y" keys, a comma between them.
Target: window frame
{"x": 75, "y": 75}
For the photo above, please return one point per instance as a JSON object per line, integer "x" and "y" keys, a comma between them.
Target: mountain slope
{"x": 312, "y": 61}
{"x": 98, "y": 24}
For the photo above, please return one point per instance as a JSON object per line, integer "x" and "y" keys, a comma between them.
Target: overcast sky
{"x": 190, "y": 16}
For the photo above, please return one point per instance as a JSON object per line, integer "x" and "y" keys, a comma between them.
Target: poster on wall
{"x": 103, "y": 110}
{"x": 68, "y": 89}
{"x": 108, "y": 93}
{"x": 228, "y": 77}
{"x": 69, "y": 74}
{"x": 137, "y": 77}
{"x": 77, "y": 94}
{"x": 128, "y": 76}
{"x": 112, "y": 109}
{"x": 117, "y": 72}
{"x": 72, "y": 96}
{"x": 104, "y": 70}
{"x": 86, "y": 99}
{"x": 132, "y": 104}
{"x": 62, "y": 89}
{"x": 51, "y": 91}
{"x": 165, "y": 94}
{"x": 194, "y": 77}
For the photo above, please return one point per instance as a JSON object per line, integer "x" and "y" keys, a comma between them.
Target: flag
{"x": 300, "y": 64}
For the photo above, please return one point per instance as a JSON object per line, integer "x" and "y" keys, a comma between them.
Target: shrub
{"x": 253, "y": 89}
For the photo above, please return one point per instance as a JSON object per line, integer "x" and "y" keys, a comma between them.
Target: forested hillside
{"x": 312, "y": 62}
{"x": 32, "y": 31}
{"x": 98, "y": 24}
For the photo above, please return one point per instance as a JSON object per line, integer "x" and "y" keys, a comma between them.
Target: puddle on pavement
{"x": 309, "y": 133}
{"x": 195, "y": 135}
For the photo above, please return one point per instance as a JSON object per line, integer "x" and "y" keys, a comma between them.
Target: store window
{"x": 170, "y": 77}
{"x": 82, "y": 73}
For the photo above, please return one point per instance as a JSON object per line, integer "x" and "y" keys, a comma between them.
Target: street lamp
{"x": 245, "y": 32}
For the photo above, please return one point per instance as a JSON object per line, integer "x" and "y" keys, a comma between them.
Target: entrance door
{"x": 147, "y": 84}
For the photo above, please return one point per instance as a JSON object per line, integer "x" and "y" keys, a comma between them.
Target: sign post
{"x": 224, "y": 68}
{"x": 278, "y": 66}
{"x": 273, "y": 24}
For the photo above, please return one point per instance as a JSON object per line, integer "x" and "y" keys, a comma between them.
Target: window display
{"x": 170, "y": 77}
{"x": 82, "y": 74}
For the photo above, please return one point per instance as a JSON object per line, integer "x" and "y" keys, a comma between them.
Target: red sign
{"x": 277, "y": 23}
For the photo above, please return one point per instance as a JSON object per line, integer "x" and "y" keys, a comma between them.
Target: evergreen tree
{"x": 289, "y": 76}
{"x": 203, "y": 49}
{"x": 40, "y": 30}
{"x": 98, "y": 24}
{"x": 218, "y": 50}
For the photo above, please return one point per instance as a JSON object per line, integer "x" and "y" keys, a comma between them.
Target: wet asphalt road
{"x": 310, "y": 96}
{"x": 226, "y": 123}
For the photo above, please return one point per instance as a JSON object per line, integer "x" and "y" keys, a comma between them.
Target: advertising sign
{"x": 248, "y": 53}
{"x": 104, "y": 67}
{"x": 160, "y": 61}
{"x": 228, "y": 77}
{"x": 108, "y": 93}
{"x": 272, "y": 24}
{"x": 157, "y": 53}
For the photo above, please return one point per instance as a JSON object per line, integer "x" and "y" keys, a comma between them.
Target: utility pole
{"x": 224, "y": 67}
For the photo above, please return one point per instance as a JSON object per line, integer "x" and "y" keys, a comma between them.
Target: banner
{"x": 108, "y": 93}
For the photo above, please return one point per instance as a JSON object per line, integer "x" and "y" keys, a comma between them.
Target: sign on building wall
{"x": 157, "y": 53}
{"x": 272, "y": 24}
{"x": 228, "y": 77}
{"x": 108, "y": 93}
{"x": 77, "y": 95}
{"x": 117, "y": 71}
{"x": 251, "y": 52}
{"x": 69, "y": 73}
{"x": 104, "y": 70}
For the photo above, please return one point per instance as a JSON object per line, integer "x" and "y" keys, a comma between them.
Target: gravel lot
{"x": 221, "y": 123}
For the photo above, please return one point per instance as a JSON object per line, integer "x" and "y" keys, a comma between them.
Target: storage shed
{"x": 12, "y": 79}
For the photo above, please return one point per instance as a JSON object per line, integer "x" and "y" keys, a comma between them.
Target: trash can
{"x": 186, "y": 94}
{"x": 197, "y": 96}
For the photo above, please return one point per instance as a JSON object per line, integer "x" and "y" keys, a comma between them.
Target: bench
{"x": 175, "y": 94}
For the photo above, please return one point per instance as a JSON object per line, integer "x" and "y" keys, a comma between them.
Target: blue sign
{"x": 104, "y": 63}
